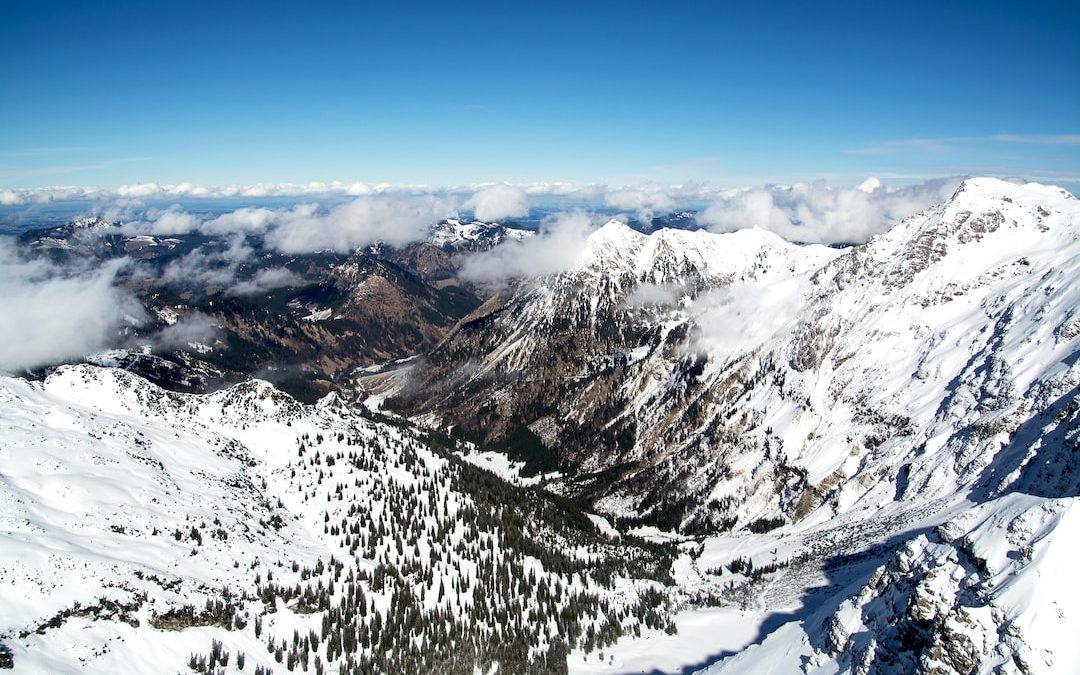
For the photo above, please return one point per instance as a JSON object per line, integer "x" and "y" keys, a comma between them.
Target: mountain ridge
{"x": 745, "y": 455}
{"x": 597, "y": 332}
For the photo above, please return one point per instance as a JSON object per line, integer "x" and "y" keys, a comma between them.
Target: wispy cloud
{"x": 951, "y": 143}
{"x": 557, "y": 247}
{"x": 267, "y": 280}
{"x": 1058, "y": 139}
{"x": 47, "y": 152}
{"x": 16, "y": 174}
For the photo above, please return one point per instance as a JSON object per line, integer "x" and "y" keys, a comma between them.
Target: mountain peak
{"x": 90, "y": 223}
{"x": 987, "y": 186}
{"x": 454, "y": 234}
{"x": 616, "y": 228}
{"x": 613, "y": 241}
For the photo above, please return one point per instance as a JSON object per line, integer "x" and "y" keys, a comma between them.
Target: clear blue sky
{"x": 448, "y": 93}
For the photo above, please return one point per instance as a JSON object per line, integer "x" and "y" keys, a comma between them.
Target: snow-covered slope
{"x": 146, "y": 531}
{"x": 990, "y": 590}
{"x": 826, "y": 408}
{"x": 774, "y": 380}
{"x": 455, "y": 235}
{"x": 962, "y": 324}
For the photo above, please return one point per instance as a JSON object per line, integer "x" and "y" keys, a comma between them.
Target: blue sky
{"x": 105, "y": 94}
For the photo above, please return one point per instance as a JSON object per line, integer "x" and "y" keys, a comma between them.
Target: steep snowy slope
{"x": 888, "y": 434}
{"x": 990, "y": 590}
{"x": 148, "y": 531}
{"x": 710, "y": 381}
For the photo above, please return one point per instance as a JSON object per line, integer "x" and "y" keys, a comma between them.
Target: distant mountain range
{"x": 304, "y": 321}
{"x": 688, "y": 452}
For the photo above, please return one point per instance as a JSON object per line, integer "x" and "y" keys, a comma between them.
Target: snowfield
{"x": 148, "y": 531}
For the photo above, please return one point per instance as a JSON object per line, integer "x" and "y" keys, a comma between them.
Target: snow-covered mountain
{"x": 760, "y": 379}
{"x": 914, "y": 394}
{"x": 856, "y": 460}
{"x": 454, "y": 235}
{"x": 149, "y": 531}
{"x": 307, "y": 320}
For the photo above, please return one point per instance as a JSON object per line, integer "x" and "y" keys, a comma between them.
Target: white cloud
{"x": 195, "y": 327}
{"x": 745, "y": 209}
{"x": 391, "y": 219}
{"x": 170, "y": 221}
{"x": 644, "y": 200}
{"x": 11, "y": 198}
{"x": 656, "y": 295}
{"x": 815, "y": 212}
{"x": 266, "y": 280}
{"x": 245, "y": 219}
{"x": 23, "y": 196}
{"x": 869, "y": 185}
{"x": 557, "y": 247}
{"x": 744, "y": 316}
{"x": 208, "y": 267}
{"x": 52, "y": 315}
{"x": 141, "y": 190}
{"x": 498, "y": 202}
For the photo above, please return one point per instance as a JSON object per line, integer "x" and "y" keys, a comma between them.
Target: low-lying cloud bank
{"x": 557, "y": 247}
{"x": 390, "y": 219}
{"x": 817, "y": 213}
{"x": 499, "y": 202}
{"x": 399, "y": 214}
{"x": 804, "y": 212}
{"x": 394, "y": 220}
{"x": 52, "y": 314}
{"x": 209, "y": 267}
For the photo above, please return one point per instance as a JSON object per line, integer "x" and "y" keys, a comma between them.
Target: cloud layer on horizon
{"x": 817, "y": 213}
{"x": 401, "y": 214}
{"x": 483, "y": 193}
{"x": 487, "y": 200}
